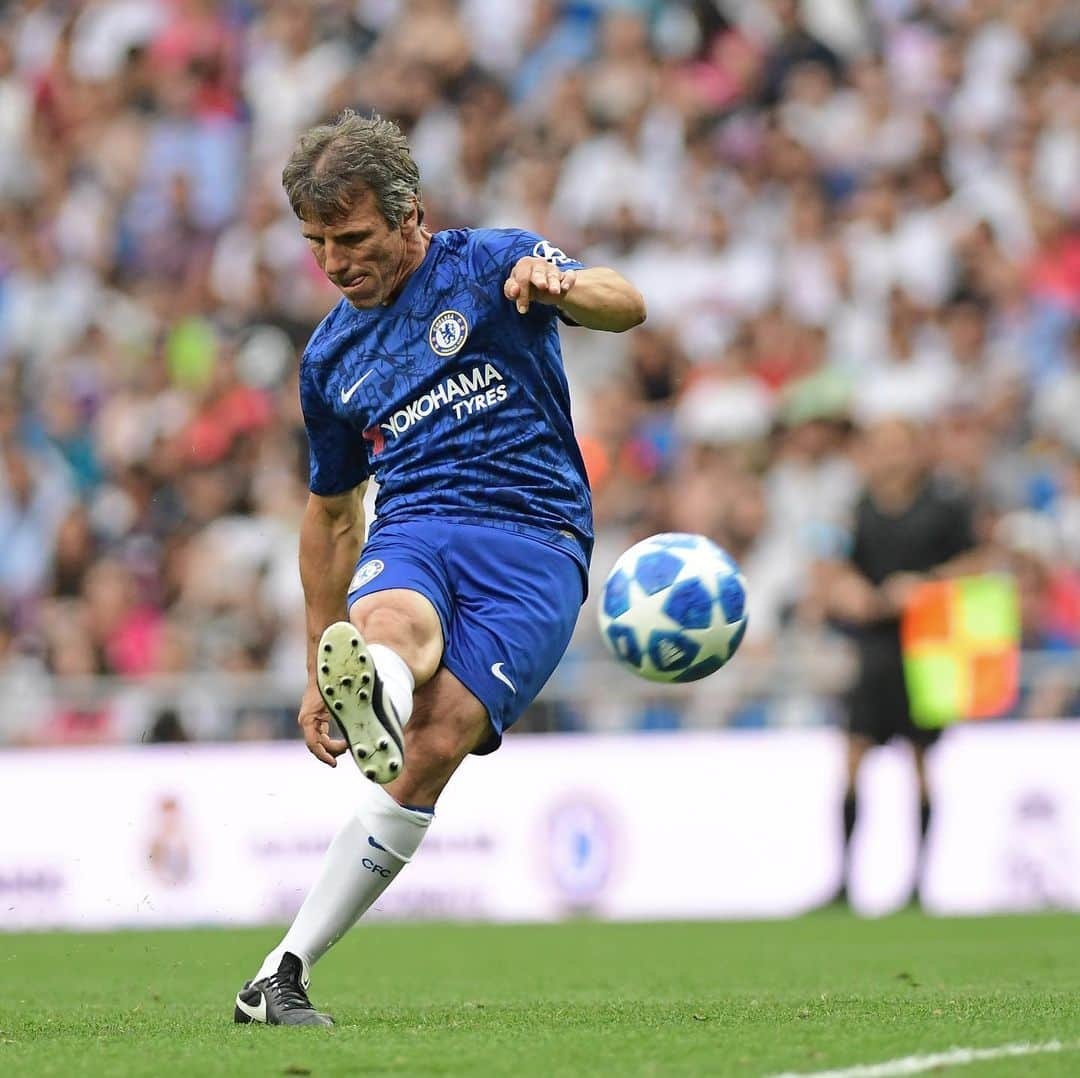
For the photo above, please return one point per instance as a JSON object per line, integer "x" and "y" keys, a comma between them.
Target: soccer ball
{"x": 673, "y": 608}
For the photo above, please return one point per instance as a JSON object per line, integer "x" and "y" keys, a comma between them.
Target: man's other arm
{"x": 331, "y": 534}
{"x": 596, "y": 298}
{"x": 844, "y": 593}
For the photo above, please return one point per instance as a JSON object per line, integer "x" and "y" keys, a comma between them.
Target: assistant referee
{"x": 909, "y": 526}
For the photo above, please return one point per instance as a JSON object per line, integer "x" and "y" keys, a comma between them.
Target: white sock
{"x": 367, "y": 853}
{"x": 397, "y": 678}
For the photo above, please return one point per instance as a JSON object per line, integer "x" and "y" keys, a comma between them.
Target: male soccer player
{"x": 439, "y": 373}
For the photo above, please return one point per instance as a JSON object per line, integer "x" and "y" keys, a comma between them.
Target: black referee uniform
{"x": 936, "y": 527}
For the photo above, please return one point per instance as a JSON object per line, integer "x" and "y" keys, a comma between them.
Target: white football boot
{"x": 354, "y": 695}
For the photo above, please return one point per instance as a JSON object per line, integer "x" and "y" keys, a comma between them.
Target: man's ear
{"x": 415, "y": 216}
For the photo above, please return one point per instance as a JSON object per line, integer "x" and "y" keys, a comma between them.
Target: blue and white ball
{"x": 674, "y": 608}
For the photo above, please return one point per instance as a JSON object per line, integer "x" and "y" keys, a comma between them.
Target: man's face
{"x": 895, "y": 451}
{"x": 361, "y": 254}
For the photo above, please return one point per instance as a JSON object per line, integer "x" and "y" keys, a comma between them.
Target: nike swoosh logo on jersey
{"x": 256, "y": 1014}
{"x": 496, "y": 669}
{"x": 346, "y": 394}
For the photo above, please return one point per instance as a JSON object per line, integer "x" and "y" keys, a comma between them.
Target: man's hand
{"x": 897, "y": 589}
{"x": 314, "y": 720}
{"x": 535, "y": 280}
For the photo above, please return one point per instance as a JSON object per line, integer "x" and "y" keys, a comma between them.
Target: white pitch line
{"x": 955, "y": 1057}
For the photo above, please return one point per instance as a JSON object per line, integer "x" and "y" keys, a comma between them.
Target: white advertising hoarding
{"x": 686, "y": 825}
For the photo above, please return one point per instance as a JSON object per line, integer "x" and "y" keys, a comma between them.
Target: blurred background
{"x": 838, "y": 211}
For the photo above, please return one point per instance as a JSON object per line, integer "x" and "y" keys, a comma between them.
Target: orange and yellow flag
{"x": 961, "y": 648}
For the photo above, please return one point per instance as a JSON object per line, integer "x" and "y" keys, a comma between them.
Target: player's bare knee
{"x": 400, "y": 629}
{"x": 384, "y": 623}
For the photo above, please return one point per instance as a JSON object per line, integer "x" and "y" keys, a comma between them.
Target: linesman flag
{"x": 961, "y": 648}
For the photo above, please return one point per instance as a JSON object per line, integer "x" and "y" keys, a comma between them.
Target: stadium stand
{"x": 837, "y": 211}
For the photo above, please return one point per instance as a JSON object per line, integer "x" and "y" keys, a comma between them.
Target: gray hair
{"x": 333, "y": 162}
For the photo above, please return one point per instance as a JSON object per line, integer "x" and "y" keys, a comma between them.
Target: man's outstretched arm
{"x": 596, "y": 298}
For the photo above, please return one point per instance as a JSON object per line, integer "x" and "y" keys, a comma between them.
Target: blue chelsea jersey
{"x": 454, "y": 402}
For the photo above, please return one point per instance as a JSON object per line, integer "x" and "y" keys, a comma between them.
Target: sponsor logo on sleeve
{"x": 550, "y": 254}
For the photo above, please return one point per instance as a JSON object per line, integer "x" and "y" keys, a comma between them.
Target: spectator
{"x": 1049, "y": 609}
{"x": 35, "y": 494}
{"x": 835, "y": 210}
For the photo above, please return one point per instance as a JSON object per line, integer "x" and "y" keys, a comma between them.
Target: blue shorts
{"x": 508, "y": 604}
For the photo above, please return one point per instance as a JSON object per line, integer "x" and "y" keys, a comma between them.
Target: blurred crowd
{"x": 837, "y": 210}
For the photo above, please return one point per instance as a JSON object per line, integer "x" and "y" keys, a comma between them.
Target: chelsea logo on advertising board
{"x": 581, "y": 845}
{"x": 448, "y": 333}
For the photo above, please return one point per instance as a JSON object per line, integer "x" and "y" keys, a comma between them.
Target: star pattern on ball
{"x": 673, "y": 608}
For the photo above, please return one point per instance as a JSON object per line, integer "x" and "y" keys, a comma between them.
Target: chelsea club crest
{"x": 368, "y": 571}
{"x": 448, "y": 333}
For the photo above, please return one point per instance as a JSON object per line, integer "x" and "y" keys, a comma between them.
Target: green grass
{"x": 578, "y": 999}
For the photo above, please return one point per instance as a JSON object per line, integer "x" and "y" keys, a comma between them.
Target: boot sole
{"x": 348, "y": 683}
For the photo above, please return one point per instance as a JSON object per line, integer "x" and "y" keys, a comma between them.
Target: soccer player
{"x": 439, "y": 373}
{"x": 909, "y": 527}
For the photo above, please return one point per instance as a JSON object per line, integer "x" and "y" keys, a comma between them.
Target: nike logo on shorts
{"x": 496, "y": 669}
{"x": 346, "y": 394}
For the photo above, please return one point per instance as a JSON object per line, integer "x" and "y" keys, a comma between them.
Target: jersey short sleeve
{"x": 496, "y": 251}
{"x": 336, "y": 463}
{"x": 504, "y": 246}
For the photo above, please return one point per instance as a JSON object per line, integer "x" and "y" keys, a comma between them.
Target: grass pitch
{"x": 579, "y": 999}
